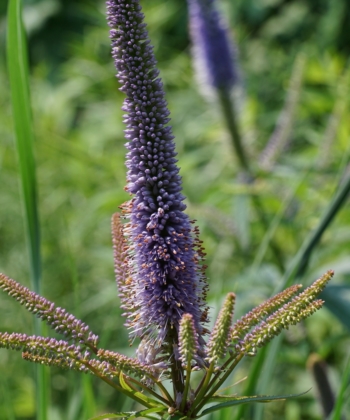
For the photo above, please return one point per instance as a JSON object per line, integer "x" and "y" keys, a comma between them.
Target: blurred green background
{"x": 80, "y": 170}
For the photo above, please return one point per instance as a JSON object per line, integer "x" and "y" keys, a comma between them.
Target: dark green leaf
{"x": 337, "y": 300}
{"x": 252, "y": 399}
{"x": 17, "y": 60}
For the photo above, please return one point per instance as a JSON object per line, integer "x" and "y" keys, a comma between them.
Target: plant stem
{"x": 301, "y": 260}
{"x": 219, "y": 383}
{"x": 228, "y": 111}
{"x": 114, "y": 385}
{"x": 203, "y": 387}
{"x": 147, "y": 389}
{"x": 187, "y": 386}
{"x": 177, "y": 372}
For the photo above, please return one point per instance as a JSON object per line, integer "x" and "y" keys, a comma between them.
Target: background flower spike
{"x": 214, "y": 54}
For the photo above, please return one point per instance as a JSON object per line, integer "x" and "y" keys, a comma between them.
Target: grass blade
{"x": 336, "y": 415}
{"x": 17, "y": 60}
{"x": 297, "y": 269}
{"x": 301, "y": 260}
{"x": 18, "y": 69}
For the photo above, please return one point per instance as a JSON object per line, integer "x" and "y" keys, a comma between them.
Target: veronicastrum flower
{"x": 158, "y": 265}
{"x": 215, "y": 58}
{"x": 162, "y": 278}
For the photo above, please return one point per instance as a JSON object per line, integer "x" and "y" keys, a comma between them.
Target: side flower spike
{"x": 188, "y": 343}
{"x": 220, "y": 337}
{"x": 163, "y": 257}
{"x": 57, "y": 318}
{"x": 291, "y": 313}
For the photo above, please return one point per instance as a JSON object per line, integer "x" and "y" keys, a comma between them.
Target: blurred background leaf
{"x": 80, "y": 170}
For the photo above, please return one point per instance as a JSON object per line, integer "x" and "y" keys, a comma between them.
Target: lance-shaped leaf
{"x": 252, "y": 399}
{"x": 57, "y": 318}
{"x": 221, "y": 335}
{"x": 141, "y": 397}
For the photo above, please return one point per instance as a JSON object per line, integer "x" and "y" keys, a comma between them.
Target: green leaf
{"x": 337, "y": 300}
{"x": 130, "y": 414}
{"x": 246, "y": 400}
{"x": 337, "y": 411}
{"x": 113, "y": 416}
{"x": 301, "y": 260}
{"x": 18, "y": 70}
{"x": 123, "y": 383}
{"x": 253, "y": 377}
{"x": 17, "y": 61}
{"x": 137, "y": 394}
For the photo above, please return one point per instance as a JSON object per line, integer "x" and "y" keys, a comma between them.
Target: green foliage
{"x": 80, "y": 171}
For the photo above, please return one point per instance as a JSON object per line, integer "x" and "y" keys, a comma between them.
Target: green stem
{"x": 165, "y": 393}
{"x": 187, "y": 385}
{"x": 218, "y": 384}
{"x": 203, "y": 388}
{"x": 301, "y": 260}
{"x": 177, "y": 372}
{"x": 228, "y": 111}
{"x": 232, "y": 126}
{"x": 115, "y": 386}
{"x": 147, "y": 389}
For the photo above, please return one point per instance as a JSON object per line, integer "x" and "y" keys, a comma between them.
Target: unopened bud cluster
{"x": 188, "y": 342}
{"x": 221, "y": 335}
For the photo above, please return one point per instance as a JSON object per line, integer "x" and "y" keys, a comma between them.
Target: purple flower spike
{"x": 165, "y": 279}
{"x": 214, "y": 54}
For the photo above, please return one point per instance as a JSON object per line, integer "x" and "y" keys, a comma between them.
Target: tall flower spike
{"x": 214, "y": 55}
{"x": 162, "y": 254}
{"x": 221, "y": 335}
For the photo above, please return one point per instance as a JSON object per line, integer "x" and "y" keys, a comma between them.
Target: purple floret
{"x": 163, "y": 249}
{"x": 214, "y": 53}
